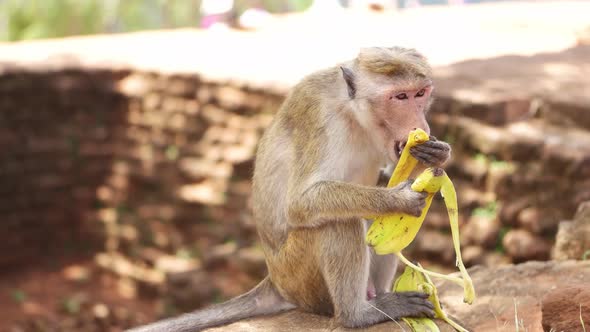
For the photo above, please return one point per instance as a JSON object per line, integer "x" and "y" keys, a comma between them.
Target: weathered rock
{"x": 503, "y": 293}
{"x": 220, "y": 254}
{"x": 537, "y": 220}
{"x": 566, "y": 309}
{"x": 437, "y": 217}
{"x": 510, "y": 210}
{"x": 506, "y": 292}
{"x": 301, "y": 321}
{"x": 573, "y": 237}
{"x": 522, "y": 245}
{"x": 435, "y": 244}
{"x": 188, "y": 290}
{"x": 476, "y": 255}
{"x": 492, "y": 259}
{"x": 481, "y": 231}
{"x": 472, "y": 255}
{"x": 251, "y": 260}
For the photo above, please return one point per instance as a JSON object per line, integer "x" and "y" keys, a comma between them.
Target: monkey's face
{"x": 397, "y": 111}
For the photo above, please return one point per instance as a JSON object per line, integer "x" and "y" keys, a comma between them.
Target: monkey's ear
{"x": 349, "y": 79}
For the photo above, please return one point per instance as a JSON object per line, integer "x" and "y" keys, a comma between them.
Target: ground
{"x": 67, "y": 294}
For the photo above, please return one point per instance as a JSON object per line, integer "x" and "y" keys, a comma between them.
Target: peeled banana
{"x": 385, "y": 232}
{"x": 393, "y": 233}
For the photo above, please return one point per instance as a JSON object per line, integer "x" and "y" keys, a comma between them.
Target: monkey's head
{"x": 390, "y": 93}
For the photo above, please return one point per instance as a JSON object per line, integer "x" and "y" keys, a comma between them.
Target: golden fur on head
{"x": 396, "y": 61}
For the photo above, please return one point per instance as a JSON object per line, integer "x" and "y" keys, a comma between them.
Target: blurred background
{"x": 128, "y": 130}
{"x": 23, "y": 20}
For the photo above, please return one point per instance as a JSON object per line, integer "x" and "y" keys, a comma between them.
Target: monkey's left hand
{"x": 433, "y": 153}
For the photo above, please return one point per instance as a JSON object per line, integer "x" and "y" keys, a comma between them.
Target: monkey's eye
{"x": 421, "y": 93}
{"x": 401, "y": 96}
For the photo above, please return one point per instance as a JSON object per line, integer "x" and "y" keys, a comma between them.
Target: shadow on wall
{"x": 149, "y": 170}
{"x": 56, "y": 136}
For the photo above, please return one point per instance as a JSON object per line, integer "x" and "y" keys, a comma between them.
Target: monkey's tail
{"x": 261, "y": 300}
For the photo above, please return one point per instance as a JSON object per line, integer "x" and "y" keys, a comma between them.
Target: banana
{"x": 431, "y": 181}
{"x": 414, "y": 280}
{"x": 393, "y": 233}
{"x": 449, "y": 195}
{"x": 385, "y": 229}
{"x": 407, "y": 162}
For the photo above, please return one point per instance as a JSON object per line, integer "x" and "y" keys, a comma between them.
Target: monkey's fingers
{"x": 413, "y": 201}
{"x": 428, "y": 159}
{"x": 420, "y": 295}
{"x": 422, "y": 309}
{"x": 439, "y": 145}
{"x": 421, "y": 301}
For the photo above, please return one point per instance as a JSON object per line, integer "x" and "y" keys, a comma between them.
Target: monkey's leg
{"x": 344, "y": 261}
{"x": 383, "y": 269}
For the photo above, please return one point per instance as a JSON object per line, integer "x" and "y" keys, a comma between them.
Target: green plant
{"x": 19, "y": 296}
{"x": 36, "y": 19}
{"x": 488, "y": 211}
{"x": 71, "y": 305}
{"x": 499, "y": 246}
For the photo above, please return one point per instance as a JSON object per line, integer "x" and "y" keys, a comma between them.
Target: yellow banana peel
{"x": 407, "y": 162}
{"x": 412, "y": 280}
{"x": 393, "y": 233}
{"x": 389, "y": 234}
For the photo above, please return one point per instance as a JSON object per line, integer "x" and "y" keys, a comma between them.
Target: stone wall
{"x": 521, "y": 166}
{"x": 176, "y": 203}
{"x": 152, "y": 171}
{"x": 88, "y": 153}
{"x": 57, "y": 134}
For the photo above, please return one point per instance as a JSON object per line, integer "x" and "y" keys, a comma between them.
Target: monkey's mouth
{"x": 398, "y": 148}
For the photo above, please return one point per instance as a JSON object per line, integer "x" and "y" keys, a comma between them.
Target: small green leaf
{"x": 71, "y": 305}
{"x": 19, "y": 296}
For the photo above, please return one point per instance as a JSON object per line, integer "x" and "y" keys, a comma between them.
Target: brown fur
{"x": 394, "y": 61}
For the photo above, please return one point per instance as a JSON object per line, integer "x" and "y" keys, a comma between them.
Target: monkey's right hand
{"x": 407, "y": 200}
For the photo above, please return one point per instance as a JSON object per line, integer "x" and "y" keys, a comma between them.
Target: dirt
{"x": 504, "y": 295}
{"x": 69, "y": 292}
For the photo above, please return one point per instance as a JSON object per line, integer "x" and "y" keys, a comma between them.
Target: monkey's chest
{"x": 359, "y": 173}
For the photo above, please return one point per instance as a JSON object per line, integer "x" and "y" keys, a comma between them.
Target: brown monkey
{"x": 314, "y": 181}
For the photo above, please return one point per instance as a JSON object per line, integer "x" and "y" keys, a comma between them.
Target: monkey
{"x": 315, "y": 184}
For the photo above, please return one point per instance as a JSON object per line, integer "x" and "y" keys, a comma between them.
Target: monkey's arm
{"x": 328, "y": 200}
